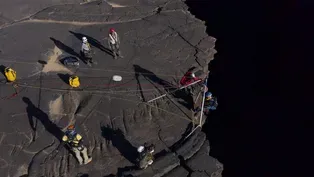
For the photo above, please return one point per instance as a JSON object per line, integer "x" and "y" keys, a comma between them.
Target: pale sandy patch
{"x": 53, "y": 64}
{"x": 22, "y": 170}
{"x": 115, "y": 5}
{"x": 56, "y": 108}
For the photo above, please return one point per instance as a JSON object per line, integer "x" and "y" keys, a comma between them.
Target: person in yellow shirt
{"x": 74, "y": 140}
{"x": 146, "y": 156}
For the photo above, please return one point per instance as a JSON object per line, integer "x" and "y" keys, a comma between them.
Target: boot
{"x": 119, "y": 54}
{"x": 89, "y": 160}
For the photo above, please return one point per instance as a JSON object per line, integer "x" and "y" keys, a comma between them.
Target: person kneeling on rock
{"x": 187, "y": 79}
{"x": 75, "y": 142}
{"x": 146, "y": 157}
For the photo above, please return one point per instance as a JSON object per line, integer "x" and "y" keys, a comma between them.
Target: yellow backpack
{"x": 74, "y": 81}
{"x": 10, "y": 74}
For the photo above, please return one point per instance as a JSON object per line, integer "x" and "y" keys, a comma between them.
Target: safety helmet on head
{"x": 84, "y": 39}
{"x": 111, "y": 30}
{"x": 71, "y": 127}
{"x": 150, "y": 162}
{"x": 193, "y": 75}
{"x": 140, "y": 149}
{"x": 208, "y": 94}
{"x": 71, "y": 130}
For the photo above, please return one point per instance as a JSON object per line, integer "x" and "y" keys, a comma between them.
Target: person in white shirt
{"x": 86, "y": 50}
{"x": 114, "y": 43}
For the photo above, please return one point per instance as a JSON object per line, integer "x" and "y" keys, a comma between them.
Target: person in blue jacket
{"x": 210, "y": 103}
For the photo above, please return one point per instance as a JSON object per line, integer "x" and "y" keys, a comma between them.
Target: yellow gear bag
{"x": 74, "y": 81}
{"x": 10, "y": 74}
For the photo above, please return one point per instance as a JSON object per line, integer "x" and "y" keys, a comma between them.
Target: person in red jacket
{"x": 187, "y": 79}
{"x": 114, "y": 43}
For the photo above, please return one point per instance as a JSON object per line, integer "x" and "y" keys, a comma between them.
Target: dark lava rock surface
{"x": 161, "y": 40}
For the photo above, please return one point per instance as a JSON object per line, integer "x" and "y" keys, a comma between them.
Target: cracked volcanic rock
{"x": 161, "y": 40}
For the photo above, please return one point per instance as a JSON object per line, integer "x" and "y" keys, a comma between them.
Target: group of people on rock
{"x": 145, "y": 152}
{"x": 113, "y": 42}
{"x": 210, "y": 102}
{"x": 188, "y": 79}
{"x": 75, "y": 142}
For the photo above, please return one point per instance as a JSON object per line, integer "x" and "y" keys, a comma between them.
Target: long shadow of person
{"x": 34, "y": 112}
{"x": 67, "y": 49}
{"x": 111, "y": 175}
{"x": 152, "y": 78}
{"x": 170, "y": 88}
{"x": 2, "y": 68}
{"x": 126, "y": 171}
{"x": 121, "y": 143}
{"x": 94, "y": 42}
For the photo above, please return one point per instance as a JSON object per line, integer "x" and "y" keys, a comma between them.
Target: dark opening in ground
{"x": 257, "y": 129}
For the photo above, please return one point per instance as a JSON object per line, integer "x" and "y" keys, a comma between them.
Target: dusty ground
{"x": 160, "y": 41}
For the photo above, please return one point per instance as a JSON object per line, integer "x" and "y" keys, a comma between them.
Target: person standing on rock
{"x": 114, "y": 43}
{"x": 74, "y": 140}
{"x": 86, "y": 51}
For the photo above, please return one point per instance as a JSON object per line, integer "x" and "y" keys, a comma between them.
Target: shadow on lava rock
{"x": 121, "y": 143}
{"x": 82, "y": 175}
{"x": 67, "y": 49}
{"x": 35, "y": 112}
{"x": 94, "y": 42}
{"x": 2, "y": 68}
{"x": 64, "y": 77}
{"x": 42, "y": 62}
{"x": 123, "y": 172}
{"x": 153, "y": 78}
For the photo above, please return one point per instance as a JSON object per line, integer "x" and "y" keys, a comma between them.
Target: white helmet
{"x": 150, "y": 162}
{"x": 140, "y": 149}
{"x": 84, "y": 39}
{"x": 193, "y": 75}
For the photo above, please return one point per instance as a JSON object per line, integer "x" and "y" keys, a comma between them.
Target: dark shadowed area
{"x": 34, "y": 113}
{"x": 120, "y": 142}
{"x": 262, "y": 126}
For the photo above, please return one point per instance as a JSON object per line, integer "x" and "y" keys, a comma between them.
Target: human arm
{"x": 118, "y": 38}
{"x": 80, "y": 140}
{"x": 110, "y": 42}
{"x": 63, "y": 142}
